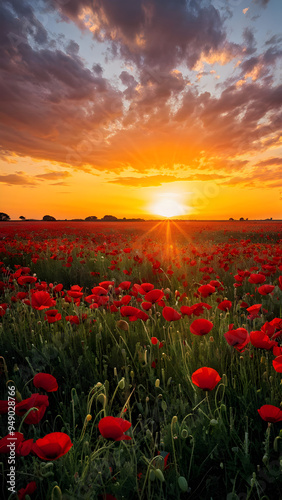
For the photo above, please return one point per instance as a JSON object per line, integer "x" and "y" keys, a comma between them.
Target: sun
{"x": 168, "y": 207}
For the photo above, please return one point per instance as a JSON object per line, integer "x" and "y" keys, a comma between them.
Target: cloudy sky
{"x": 132, "y": 107}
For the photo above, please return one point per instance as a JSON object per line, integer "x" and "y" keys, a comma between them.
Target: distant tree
{"x": 231, "y": 218}
{"x": 91, "y": 218}
{"x": 109, "y": 218}
{"x": 48, "y": 218}
{"x": 4, "y": 216}
{"x": 241, "y": 218}
{"x": 21, "y": 217}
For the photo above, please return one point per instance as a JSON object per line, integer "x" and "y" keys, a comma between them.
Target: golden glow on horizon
{"x": 168, "y": 206}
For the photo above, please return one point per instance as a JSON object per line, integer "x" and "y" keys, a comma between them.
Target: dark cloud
{"x": 153, "y": 33}
{"x": 51, "y": 176}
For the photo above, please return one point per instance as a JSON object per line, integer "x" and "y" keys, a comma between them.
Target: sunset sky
{"x": 141, "y": 108}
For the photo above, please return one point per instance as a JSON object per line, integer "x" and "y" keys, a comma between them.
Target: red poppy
{"x": 125, "y": 285}
{"x": 206, "y": 378}
{"x": 254, "y": 311}
{"x": 154, "y": 340}
{"x": 146, "y": 287}
{"x": 26, "y": 280}
{"x": 201, "y": 326}
{"x": 170, "y": 314}
{"x": 277, "y": 351}
{"x": 45, "y": 381}
{"x": 256, "y": 278}
{"x": 28, "y": 490}
{"x": 262, "y": 341}
{"x": 132, "y": 313}
{"x": 270, "y": 413}
{"x": 114, "y": 428}
{"x": 52, "y": 316}
{"x": 74, "y": 319}
{"x": 42, "y": 300}
{"x": 238, "y": 338}
{"x": 206, "y": 290}
{"x": 146, "y": 305}
{"x": 196, "y": 309}
{"x": 280, "y": 282}
{"x": 37, "y": 401}
{"x": 154, "y": 296}
{"x": 277, "y": 364}
{"x": 52, "y": 446}
{"x": 3, "y": 407}
{"x": 107, "y": 284}
{"x": 99, "y": 290}
{"x": 7, "y": 442}
{"x": 266, "y": 289}
{"x": 225, "y": 305}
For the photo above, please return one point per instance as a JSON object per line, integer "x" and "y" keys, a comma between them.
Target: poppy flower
{"x": 99, "y": 290}
{"x": 146, "y": 305}
{"x": 52, "y": 446}
{"x": 154, "y": 296}
{"x": 201, "y": 326}
{"x": 280, "y": 282}
{"x": 42, "y": 300}
{"x": 26, "y": 280}
{"x": 17, "y": 438}
{"x": 225, "y": 305}
{"x": 206, "y": 378}
{"x": 154, "y": 340}
{"x": 124, "y": 285}
{"x": 37, "y": 401}
{"x": 114, "y": 428}
{"x": 170, "y": 314}
{"x": 3, "y": 407}
{"x": 107, "y": 284}
{"x": 146, "y": 287}
{"x": 196, "y": 309}
{"x": 270, "y": 413}
{"x": 254, "y": 311}
{"x": 262, "y": 341}
{"x": 256, "y": 279}
{"x": 277, "y": 351}
{"x": 28, "y": 490}
{"x": 132, "y": 313}
{"x": 206, "y": 290}
{"x": 238, "y": 338}
{"x": 52, "y": 316}
{"x": 73, "y": 319}
{"x": 277, "y": 364}
{"x": 45, "y": 381}
{"x": 266, "y": 289}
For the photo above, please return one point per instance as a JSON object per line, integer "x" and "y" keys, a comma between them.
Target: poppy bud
{"x": 174, "y": 420}
{"x": 115, "y": 372}
{"x": 157, "y": 383}
{"x": 184, "y": 433}
{"x": 182, "y": 483}
{"x": 123, "y": 325}
{"x": 224, "y": 379}
{"x": 102, "y": 399}
{"x": 121, "y": 384}
{"x": 56, "y": 493}
{"x": 213, "y": 422}
{"x": 159, "y": 475}
{"x": 88, "y": 417}
{"x": 164, "y": 405}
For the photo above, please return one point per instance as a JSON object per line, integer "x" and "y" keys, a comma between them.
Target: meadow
{"x": 144, "y": 360}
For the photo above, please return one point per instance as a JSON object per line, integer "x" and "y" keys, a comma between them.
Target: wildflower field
{"x": 141, "y": 361}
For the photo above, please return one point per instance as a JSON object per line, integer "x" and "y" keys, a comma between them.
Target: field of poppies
{"x": 141, "y": 361}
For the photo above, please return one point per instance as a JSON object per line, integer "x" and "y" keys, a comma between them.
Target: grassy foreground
{"x": 186, "y": 442}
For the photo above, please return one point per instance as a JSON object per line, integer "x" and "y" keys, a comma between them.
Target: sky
{"x": 141, "y": 108}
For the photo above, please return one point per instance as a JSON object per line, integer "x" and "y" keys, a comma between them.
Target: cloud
{"x": 51, "y": 176}
{"x": 153, "y": 117}
{"x": 158, "y": 180}
{"x": 17, "y": 179}
{"x": 152, "y": 33}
